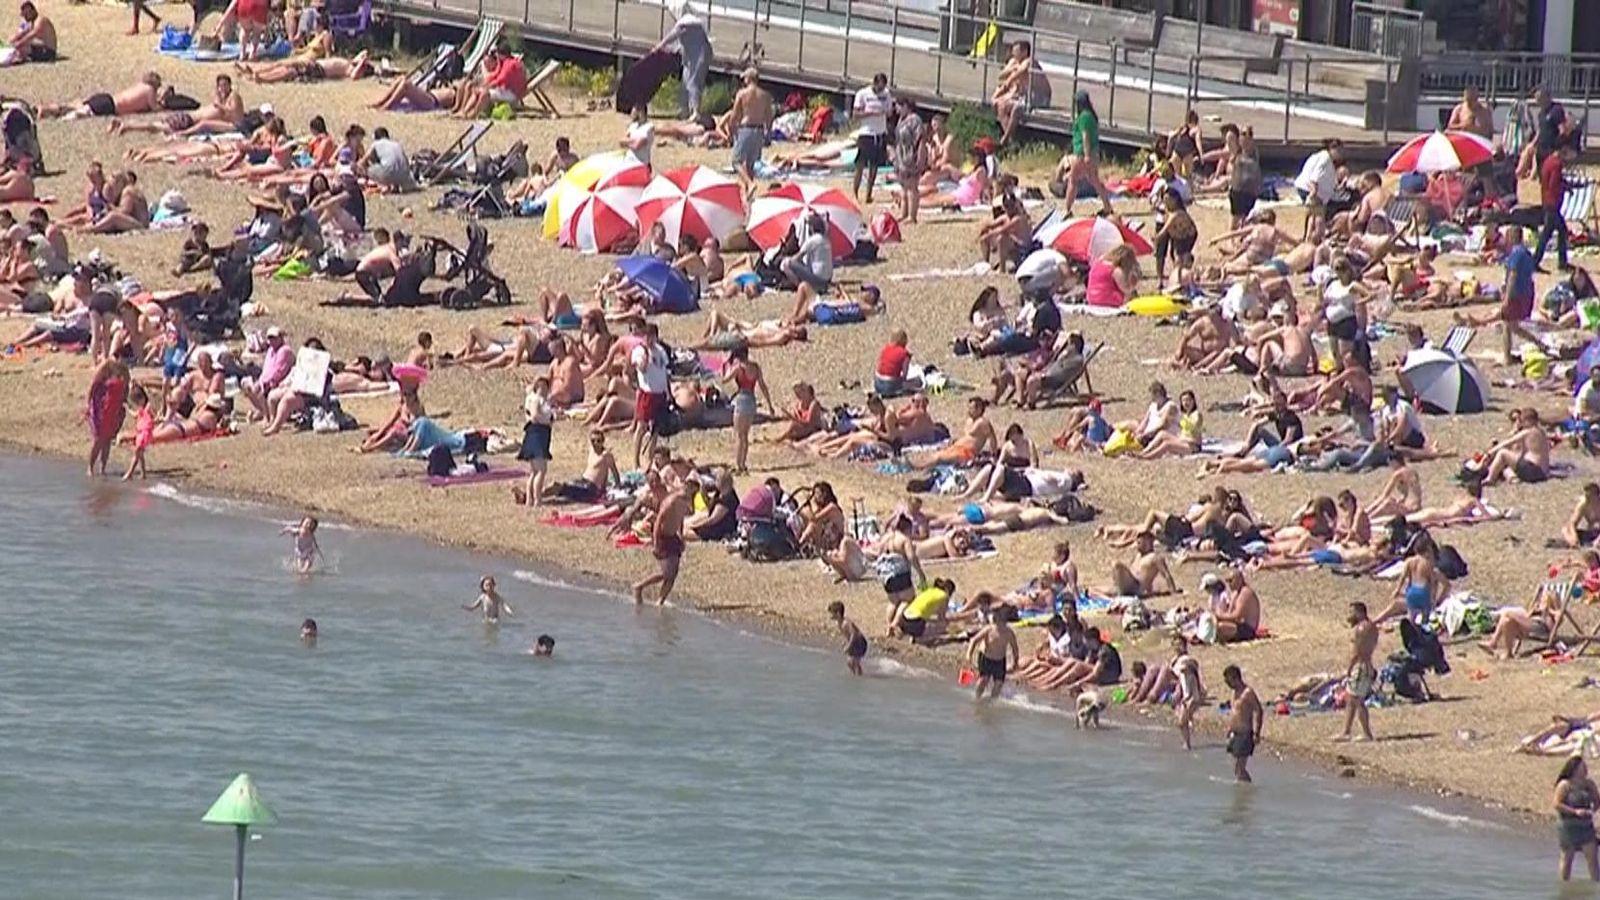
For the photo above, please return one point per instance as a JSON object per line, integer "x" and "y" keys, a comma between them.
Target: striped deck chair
{"x": 488, "y": 35}
{"x": 1558, "y": 594}
{"x": 1578, "y": 206}
{"x": 1458, "y": 339}
{"x": 1520, "y": 126}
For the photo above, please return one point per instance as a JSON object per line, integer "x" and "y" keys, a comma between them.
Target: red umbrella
{"x": 771, "y": 215}
{"x": 1090, "y": 239}
{"x": 1442, "y": 151}
{"x": 598, "y": 221}
{"x": 692, "y": 200}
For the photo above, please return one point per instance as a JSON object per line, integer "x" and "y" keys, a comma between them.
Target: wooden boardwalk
{"x": 820, "y": 57}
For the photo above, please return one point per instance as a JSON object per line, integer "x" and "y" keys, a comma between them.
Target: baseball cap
{"x": 274, "y": 332}
{"x": 1210, "y": 582}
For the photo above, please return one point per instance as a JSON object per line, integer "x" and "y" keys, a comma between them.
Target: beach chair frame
{"x": 1578, "y": 207}
{"x": 535, "y": 100}
{"x": 1579, "y": 638}
{"x": 1458, "y": 339}
{"x": 459, "y": 153}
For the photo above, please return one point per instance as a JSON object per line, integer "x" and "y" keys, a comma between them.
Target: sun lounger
{"x": 1578, "y": 206}
{"x": 536, "y": 100}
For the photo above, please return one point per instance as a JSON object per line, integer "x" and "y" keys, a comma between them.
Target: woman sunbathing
{"x": 802, "y": 420}
{"x": 1467, "y": 509}
{"x": 206, "y": 420}
{"x": 331, "y": 68}
{"x": 879, "y": 433}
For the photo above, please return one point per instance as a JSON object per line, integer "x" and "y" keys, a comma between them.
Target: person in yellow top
{"x": 922, "y": 618}
{"x": 1190, "y": 434}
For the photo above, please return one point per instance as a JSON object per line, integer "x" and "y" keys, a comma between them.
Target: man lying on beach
{"x": 330, "y": 68}
{"x": 725, "y": 333}
{"x": 144, "y": 96}
{"x": 36, "y": 40}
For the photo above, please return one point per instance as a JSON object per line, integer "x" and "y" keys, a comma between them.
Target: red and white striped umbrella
{"x": 692, "y": 200}
{"x": 596, "y": 221}
{"x": 771, "y": 215}
{"x": 1442, "y": 151}
{"x": 1089, "y": 239}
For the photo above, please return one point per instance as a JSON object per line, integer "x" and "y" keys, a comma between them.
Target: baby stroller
{"x": 480, "y": 286}
{"x": 21, "y": 137}
{"x": 1407, "y": 669}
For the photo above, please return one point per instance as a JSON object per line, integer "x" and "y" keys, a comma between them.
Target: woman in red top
{"x": 1112, "y": 278}
{"x": 1552, "y": 193}
{"x": 104, "y": 411}
{"x": 894, "y": 364}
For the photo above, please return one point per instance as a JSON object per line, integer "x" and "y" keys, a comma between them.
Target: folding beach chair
{"x": 1578, "y": 206}
{"x": 536, "y": 100}
{"x": 488, "y": 35}
{"x": 427, "y": 72}
{"x": 1562, "y": 593}
{"x": 453, "y": 161}
{"x": 1458, "y": 338}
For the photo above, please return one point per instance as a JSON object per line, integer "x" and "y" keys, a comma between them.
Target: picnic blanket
{"x": 225, "y": 53}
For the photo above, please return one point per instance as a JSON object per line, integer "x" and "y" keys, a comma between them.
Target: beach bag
{"x": 1121, "y": 442}
{"x": 1589, "y": 314}
{"x": 175, "y": 39}
{"x": 440, "y": 461}
{"x": 885, "y": 228}
{"x": 1450, "y": 563}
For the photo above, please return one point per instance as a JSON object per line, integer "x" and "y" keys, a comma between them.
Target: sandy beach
{"x": 1462, "y": 745}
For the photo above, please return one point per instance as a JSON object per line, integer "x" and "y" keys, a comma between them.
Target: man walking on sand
{"x": 654, "y": 382}
{"x": 871, "y": 111}
{"x": 1244, "y": 723}
{"x": 666, "y": 544}
{"x": 1361, "y": 676}
{"x": 749, "y": 121}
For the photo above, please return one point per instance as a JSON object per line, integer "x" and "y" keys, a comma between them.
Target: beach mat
{"x": 483, "y": 477}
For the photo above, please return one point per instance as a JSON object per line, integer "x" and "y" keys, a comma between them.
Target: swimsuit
{"x": 101, "y": 105}
{"x": 992, "y": 669}
{"x": 1241, "y": 744}
{"x": 858, "y": 647}
{"x": 1528, "y": 472}
{"x": 668, "y": 547}
{"x": 1419, "y": 600}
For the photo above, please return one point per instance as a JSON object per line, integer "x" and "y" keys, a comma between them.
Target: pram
{"x": 480, "y": 285}
{"x": 492, "y": 174}
{"x": 21, "y": 142}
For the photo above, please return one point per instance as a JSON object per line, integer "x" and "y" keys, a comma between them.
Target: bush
{"x": 717, "y": 98}
{"x": 573, "y": 77}
{"x": 602, "y": 82}
{"x": 1035, "y": 156}
{"x": 970, "y": 123}
{"x": 667, "y": 97}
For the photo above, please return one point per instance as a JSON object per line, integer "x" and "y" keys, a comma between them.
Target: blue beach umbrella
{"x": 664, "y": 285}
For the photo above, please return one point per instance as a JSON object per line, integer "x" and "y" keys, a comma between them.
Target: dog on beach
{"x": 1090, "y": 706}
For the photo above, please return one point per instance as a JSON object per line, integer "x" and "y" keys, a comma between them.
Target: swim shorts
{"x": 1244, "y": 631}
{"x": 41, "y": 53}
{"x": 580, "y": 490}
{"x": 1528, "y": 472}
{"x": 913, "y": 628}
{"x": 846, "y": 314}
{"x": 748, "y": 142}
{"x": 1241, "y": 744}
{"x": 898, "y": 583}
{"x": 1326, "y": 557}
{"x": 1360, "y": 682}
{"x": 101, "y": 105}
{"x": 992, "y": 669}
{"x": 872, "y": 150}
{"x": 668, "y": 547}
{"x": 1240, "y": 203}
{"x": 649, "y": 407}
{"x": 857, "y": 648}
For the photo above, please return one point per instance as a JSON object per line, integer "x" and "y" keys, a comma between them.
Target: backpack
{"x": 1450, "y": 563}
{"x": 440, "y": 461}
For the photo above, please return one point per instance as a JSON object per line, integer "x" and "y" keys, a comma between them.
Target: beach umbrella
{"x": 1441, "y": 151}
{"x": 666, "y": 287}
{"x": 599, "y": 220}
{"x": 1445, "y": 383}
{"x": 772, "y": 214}
{"x": 692, "y": 200}
{"x": 586, "y": 176}
{"x": 239, "y": 806}
{"x": 1089, "y": 239}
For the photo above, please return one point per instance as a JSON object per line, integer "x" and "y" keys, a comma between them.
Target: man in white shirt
{"x": 1318, "y": 179}
{"x": 811, "y": 266}
{"x": 1398, "y": 422}
{"x": 654, "y": 382}
{"x": 871, "y": 110}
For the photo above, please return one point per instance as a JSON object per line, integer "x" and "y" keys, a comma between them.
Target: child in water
{"x": 544, "y": 645}
{"x": 144, "y": 429}
{"x": 489, "y": 601}
{"x": 855, "y": 643}
{"x": 306, "y": 550}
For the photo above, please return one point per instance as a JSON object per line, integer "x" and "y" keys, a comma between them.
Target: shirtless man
{"x": 132, "y": 210}
{"x": 1361, "y": 675}
{"x": 1287, "y": 349}
{"x": 749, "y": 120}
{"x": 1139, "y": 578}
{"x": 225, "y": 113}
{"x": 1209, "y": 336}
{"x": 666, "y": 544}
{"x": 566, "y": 375}
{"x": 977, "y": 437}
{"x": 1524, "y": 456}
{"x": 489, "y": 602}
{"x": 1244, "y": 722}
{"x": 599, "y": 473}
{"x": 1240, "y": 620}
{"x": 36, "y": 42}
{"x": 1472, "y": 114}
{"x": 994, "y": 651}
{"x": 198, "y": 385}
{"x": 1261, "y": 239}
{"x": 1401, "y": 494}
{"x": 421, "y": 353}
{"x": 145, "y": 95}
{"x": 1583, "y": 528}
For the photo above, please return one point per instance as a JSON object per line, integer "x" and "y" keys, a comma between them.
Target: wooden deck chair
{"x": 1562, "y": 593}
{"x": 488, "y": 35}
{"x": 536, "y": 100}
{"x": 1458, "y": 338}
{"x": 428, "y": 71}
{"x": 455, "y": 158}
{"x": 1403, "y": 209}
{"x": 1578, "y": 206}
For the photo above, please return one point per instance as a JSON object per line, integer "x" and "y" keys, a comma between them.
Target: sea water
{"x": 151, "y": 651}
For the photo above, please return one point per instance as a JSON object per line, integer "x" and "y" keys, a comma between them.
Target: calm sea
{"x": 150, "y": 652}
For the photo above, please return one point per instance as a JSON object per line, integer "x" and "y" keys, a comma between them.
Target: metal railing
{"x": 943, "y": 59}
{"x": 1375, "y": 28}
{"x": 1571, "y": 77}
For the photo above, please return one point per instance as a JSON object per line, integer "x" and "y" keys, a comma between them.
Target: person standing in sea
{"x": 1244, "y": 723}
{"x": 104, "y": 410}
{"x": 666, "y": 544}
{"x": 1361, "y": 676}
{"x": 1575, "y": 799}
{"x": 994, "y": 649}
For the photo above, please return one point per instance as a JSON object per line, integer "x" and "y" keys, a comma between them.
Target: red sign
{"x": 1278, "y": 17}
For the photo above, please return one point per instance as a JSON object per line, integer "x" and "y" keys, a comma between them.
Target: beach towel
{"x": 483, "y": 477}
{"x": 226, "y": 53}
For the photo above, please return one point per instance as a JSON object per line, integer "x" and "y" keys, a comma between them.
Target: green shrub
{"x": 970, "y": 123}
{"x": 1035, "y": 156}
{"x": 717, "y": 98}
{"x": 667, "y": 97}
{"x": 573, "y": 77}
{"x": 602, "y": 82}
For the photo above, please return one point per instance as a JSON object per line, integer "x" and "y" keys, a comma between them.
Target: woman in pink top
{"x": 1112, "y": 278}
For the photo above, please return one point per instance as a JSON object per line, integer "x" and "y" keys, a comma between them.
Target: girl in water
{"x": 306, "y": 550}
{"x": 144, "y": 429}
{"x": 489, "y": 602}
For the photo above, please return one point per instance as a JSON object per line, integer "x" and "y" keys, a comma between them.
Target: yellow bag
{"x": 1120, "y": 442}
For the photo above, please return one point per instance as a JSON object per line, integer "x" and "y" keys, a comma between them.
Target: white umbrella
{"x": 1445, "y": 383}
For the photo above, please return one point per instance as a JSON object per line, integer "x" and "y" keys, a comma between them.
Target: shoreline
{"x": 769, "y": 624}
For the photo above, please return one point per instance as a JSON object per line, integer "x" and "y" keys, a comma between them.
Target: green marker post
{"x": 239, "y": 806}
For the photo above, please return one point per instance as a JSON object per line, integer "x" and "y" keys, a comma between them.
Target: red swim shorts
{"x": 648, "y": 407}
